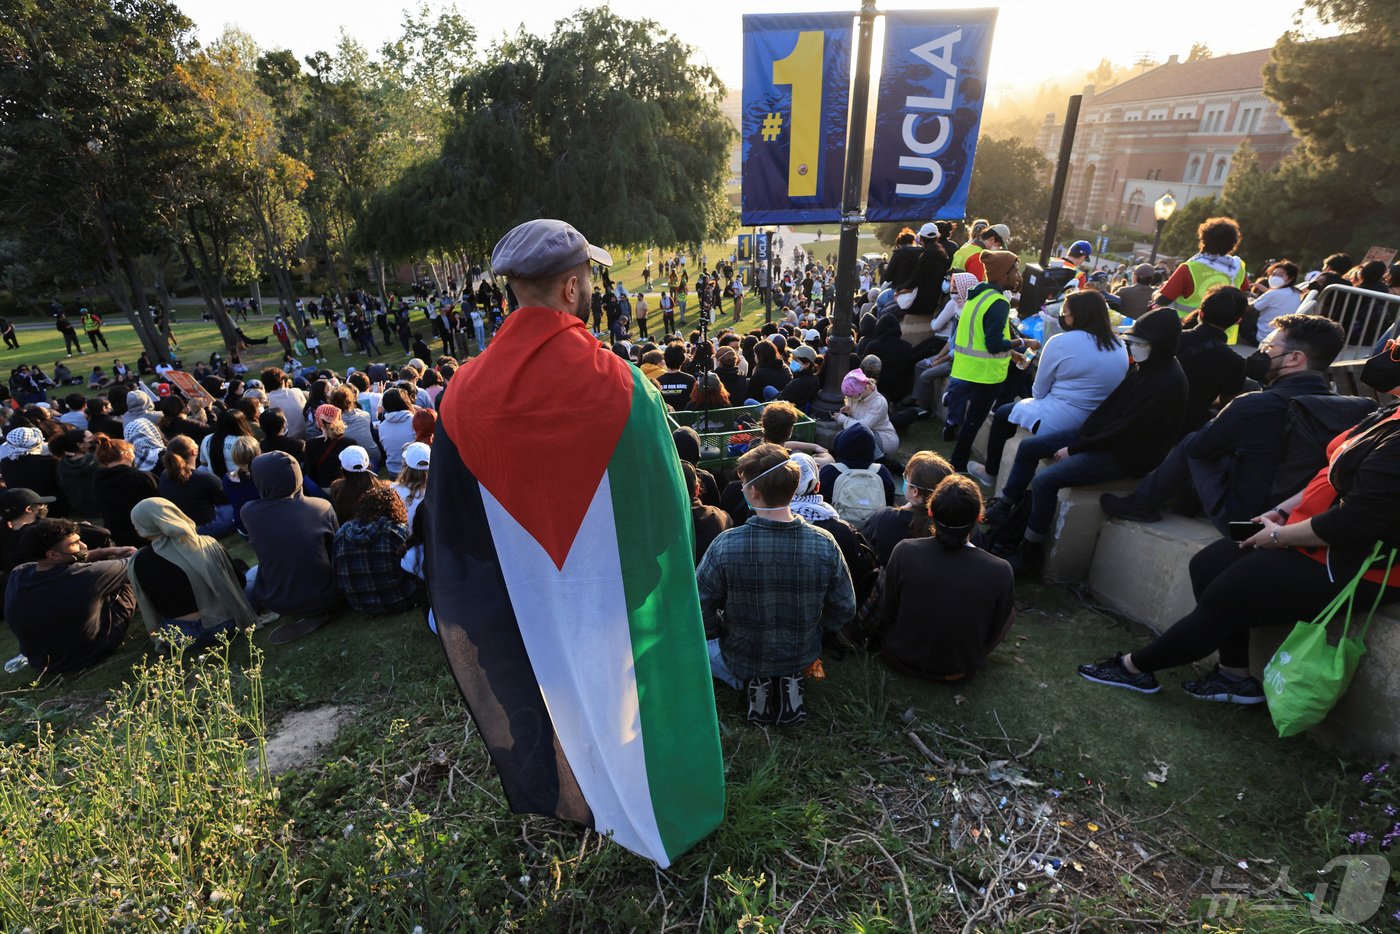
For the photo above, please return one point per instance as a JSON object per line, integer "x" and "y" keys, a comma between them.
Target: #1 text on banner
{"x": 797, "y": 78}
{"x": 930, "y": 107}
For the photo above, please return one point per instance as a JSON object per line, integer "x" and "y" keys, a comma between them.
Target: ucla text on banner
{"x": 930, "y": 106}
{"x": 797, "y": 80}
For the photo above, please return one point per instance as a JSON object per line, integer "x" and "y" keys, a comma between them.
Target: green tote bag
{"x": 1308, "y": 675}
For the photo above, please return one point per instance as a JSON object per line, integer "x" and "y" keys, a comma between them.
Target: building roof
{"x": 1239, "y": 72}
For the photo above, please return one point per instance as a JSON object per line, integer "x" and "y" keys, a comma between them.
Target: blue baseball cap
{"x": 1082, "y": 248}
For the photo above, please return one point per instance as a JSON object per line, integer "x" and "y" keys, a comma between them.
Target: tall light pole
{"x": 1163, "y": 208}
{"x": 839, "y": 345}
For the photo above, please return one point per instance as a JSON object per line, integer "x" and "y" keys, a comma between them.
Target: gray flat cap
{"x": 542, "y": 248}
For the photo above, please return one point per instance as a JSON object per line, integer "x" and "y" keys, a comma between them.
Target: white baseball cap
{"x": 417, "y": 455}
{"x": 354, "y": 459}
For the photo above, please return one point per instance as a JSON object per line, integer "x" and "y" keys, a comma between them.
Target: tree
{"x": 607, "y": 123}
{"x": 1199, "y": 52}
{"x": 93, "y": 124}
{"x": 1009, "y": 186}
{"x": 1340, "y": 188}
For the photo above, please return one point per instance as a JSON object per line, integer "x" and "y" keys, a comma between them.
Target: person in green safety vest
{"x": 973, "y": 245}
{"x": 1214, "y": 265}
{"x": 983, "y": 347}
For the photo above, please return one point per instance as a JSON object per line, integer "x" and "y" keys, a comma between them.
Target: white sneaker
{"x": 979, "y": 473}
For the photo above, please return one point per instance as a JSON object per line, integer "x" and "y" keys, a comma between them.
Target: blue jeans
{"x": 1028, "y": 457}
{"x": 221, "y": 525}
{"x": 1075, "y": 470}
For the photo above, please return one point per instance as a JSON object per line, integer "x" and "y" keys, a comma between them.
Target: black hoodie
{"x": 293, "y": 537}
{"x": 1140, "y": 420}
{"x": 896, "y": 359}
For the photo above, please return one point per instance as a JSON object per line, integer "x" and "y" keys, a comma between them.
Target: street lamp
{"x": 1163, "y": 208}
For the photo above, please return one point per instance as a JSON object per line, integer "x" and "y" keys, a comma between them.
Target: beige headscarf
{"x": 217, "y": 591}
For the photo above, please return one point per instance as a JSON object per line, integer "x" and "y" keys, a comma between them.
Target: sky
{"x": 1036, "y": 40}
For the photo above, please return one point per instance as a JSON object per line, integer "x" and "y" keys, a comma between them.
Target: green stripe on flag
{"x": 685, "y": 770}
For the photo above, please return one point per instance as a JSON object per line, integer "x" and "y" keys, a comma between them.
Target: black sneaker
{"x": 1110, "y": 671}
{"x": 950, "y": 431}
{"x": 1224, "y": 689}
{"x": 763, "y": 700}
{"x": 1127, "y": 507}
{"x": 792, "y": 710}
{"x": 999, "y": 511}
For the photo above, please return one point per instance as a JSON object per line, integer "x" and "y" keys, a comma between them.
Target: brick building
{"x": 1175, "y": 128}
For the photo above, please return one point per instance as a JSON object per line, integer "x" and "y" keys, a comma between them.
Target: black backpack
{"x": 1309, "y": 426}
{"x": 1005, "y": 539}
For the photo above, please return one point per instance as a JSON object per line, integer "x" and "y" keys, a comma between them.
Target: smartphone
{"x": 1239, "y": 531}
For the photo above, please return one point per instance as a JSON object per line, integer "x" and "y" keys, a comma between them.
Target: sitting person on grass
{"x": 767, "y": 591}
{"x": 845, "y": 484}
{"x": 946, "y": 603}
{"x": 68, "y": 607}
{"x": 777, "y": 421}
{"x": 198, "y": 494}
{"x": 293, "y": 536}
{"x": 865, "y": 405}
{"x": 185, "y": 583}
{"x": 893, "y": 524}
{"x": 368, "y": 551}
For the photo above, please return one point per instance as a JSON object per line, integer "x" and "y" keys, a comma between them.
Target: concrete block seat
{"x": 1142, "y": 570}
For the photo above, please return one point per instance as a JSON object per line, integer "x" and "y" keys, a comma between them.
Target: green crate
{"x": 718, "y": 429}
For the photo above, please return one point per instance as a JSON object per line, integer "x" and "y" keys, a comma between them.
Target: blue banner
{"x": 797, "y": 80}
{"x": 930, "y": 106}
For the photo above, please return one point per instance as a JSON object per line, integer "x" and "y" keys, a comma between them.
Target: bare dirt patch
{"x": 302, "y": 734}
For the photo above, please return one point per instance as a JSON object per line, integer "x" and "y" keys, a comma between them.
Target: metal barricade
{"x": 1365, "y": 316}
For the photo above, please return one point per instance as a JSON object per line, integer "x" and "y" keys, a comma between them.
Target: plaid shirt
{"x": 367, "y": 568}
{"x": 770, "y": 588}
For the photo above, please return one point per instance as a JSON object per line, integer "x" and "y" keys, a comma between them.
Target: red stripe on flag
{"x": 537, "y": 417}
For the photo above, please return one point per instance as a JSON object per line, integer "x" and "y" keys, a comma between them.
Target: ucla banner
{"x": 797, "y": 79}
{"x": 930, "y": 106}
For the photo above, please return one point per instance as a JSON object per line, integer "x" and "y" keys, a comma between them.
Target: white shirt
{"x": 1275, "y": 302}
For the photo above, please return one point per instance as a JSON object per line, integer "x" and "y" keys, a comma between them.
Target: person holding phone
{"x": 1307, "y": 548}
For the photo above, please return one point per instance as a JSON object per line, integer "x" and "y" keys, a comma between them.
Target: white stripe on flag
{"x": 574, "y": 625}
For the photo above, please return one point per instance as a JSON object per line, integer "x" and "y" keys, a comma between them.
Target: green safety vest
{"x": 972, "y": 361}
{"x": 1204, "y": 278}
{"x": 961, "y": 256}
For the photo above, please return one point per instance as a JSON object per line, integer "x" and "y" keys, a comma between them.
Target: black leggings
{"x": 1237, "y": 590}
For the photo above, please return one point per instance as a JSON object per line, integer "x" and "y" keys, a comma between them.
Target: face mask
{"x": 1139, "y": 351}
{"x": 905, "y": 300}
{"x": 1259, "y": 366}
{"x": 1277, "y": 282}
{"x": 905, "y": 488}
{"x": 795, "y": 366}
{"x": 947, "y": 286}
{"x": 1382, "y": 372}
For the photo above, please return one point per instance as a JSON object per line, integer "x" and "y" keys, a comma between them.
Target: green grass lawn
{"x": 844, "y": 824}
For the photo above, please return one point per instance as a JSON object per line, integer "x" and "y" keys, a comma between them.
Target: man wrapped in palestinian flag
{"x": 560, "y": 568}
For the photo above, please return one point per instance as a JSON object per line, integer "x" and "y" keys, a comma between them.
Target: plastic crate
{"x": 724, "y": 435}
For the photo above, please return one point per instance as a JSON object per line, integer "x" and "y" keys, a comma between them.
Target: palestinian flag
{"x": 561, "y": 575}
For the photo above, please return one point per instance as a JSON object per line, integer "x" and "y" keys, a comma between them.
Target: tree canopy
{"x": 607, "y": 123}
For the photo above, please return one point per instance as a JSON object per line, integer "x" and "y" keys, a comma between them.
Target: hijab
{"x": 213, "y": 579}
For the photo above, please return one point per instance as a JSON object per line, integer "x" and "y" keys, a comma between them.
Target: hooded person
{"x": 184, "y": 582}
{"x": 571, "y": 619}
{"x": 896, "y": 358}
{"x": 707, "y": 521}
{"x": 1126, "y": 436}
{"x": 854, "y": 449}
{"x": 687, "y": 442}
{"x": 147, "y": 441}
{"x": 138, "y": 406}
{"x": 293, "y": 537}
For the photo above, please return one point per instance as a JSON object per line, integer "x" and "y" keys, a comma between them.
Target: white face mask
{"x": 1139, "y": 351}
{"x": 904, "y": 299}
{"x": 1277, "y": 282}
